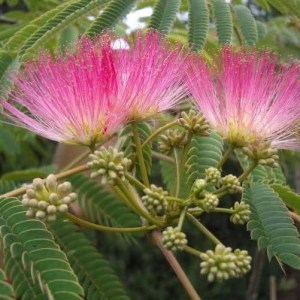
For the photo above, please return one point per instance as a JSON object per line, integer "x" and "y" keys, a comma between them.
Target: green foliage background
{"x": 28, "y": 26}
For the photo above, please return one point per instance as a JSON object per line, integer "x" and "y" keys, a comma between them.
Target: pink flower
{"x": 86, "y": 96}
{"x": 152, "y": 75}
{"x": 248, "y": 97}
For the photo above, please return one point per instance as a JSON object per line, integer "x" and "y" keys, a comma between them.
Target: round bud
{"x": 40, "y": 214}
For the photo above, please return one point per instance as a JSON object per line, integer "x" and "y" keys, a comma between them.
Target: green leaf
{"x": 279, "y": 5}
{"x": 57, "y": 23}
{"x": 164, "y": 15}
{"x": 6, "y": 290}
{"x": 129, "y": 148}
{"x": 15, "y": 42}
{"x": 290, "y": 198}
{"x": 261, "y": 29}
{"x": 94, "y": 272}
{"x": 223, "y": 19}
{"x": 263, "y": 3}
{"x": 101, "y": 206}
{"x": 24, "y": 239}
{"x": 205, "y": 152}
{"x": 8, "y": 143}
{"x": 247, "y": 24}
{"x": 271, "y": 224}
{"x": 113, "y": 12}
{"x": 29, "y": 174}
{"x": 198, "y": 23}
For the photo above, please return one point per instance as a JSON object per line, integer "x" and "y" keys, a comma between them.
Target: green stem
{"x": 223, "y": 210}
{"x": 182, "y": 217}
{"x": 185, "y": 152}
{"x": 203, "y": 229}
{"x": 247, "y": 172}
{"x": 139, "y": 153}
{"x": 158, "y": 131}
{"x": 97, "y": 227}
{"x": 192, "y": 251}
{"x": 225, "y": 156}
{"x": 125, "y": 200}
{"x": 162, "y": 157}
{"x": 135, "y": 182}
{"x": 141, "y": 211}
{"x": 177, "y": 186}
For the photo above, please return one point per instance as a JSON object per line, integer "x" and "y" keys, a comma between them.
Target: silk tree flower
{"x": 86, "y": 96}
{"x": 248, "y": 98}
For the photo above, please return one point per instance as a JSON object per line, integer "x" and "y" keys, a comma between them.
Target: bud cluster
{"x": 263, "y": 153}
{"x": 212, "y": 175}
{"x": 241, "y": 214}
{"x": 45, "y": 198}
{"x": 155, "y": 200}
{"x": 172, "y": 138}
{"x": 195, "y": 123}
{"x": 173, "y": 239}
{"x": 223, "y": 263}
{"x": 109, "y": 164}
{"x": 199, "y": 187}
{"x": 232, "y": 184}
{"x": 209, "y": 202}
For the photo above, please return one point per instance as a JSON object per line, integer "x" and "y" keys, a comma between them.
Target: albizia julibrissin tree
{"x": 246, "y": 103}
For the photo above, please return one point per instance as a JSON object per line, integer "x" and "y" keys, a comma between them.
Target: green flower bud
{"x": 241, "y": 214}
{"x": 232, "y": 184}
{"x": 173, "y": 239}
{"x": 262, "y": 153}
{"x": 172, "y": 138}
{"x": 199, "y": 187}
{"x": 195, "y": 123}
{"x": 44, "y": 198}
{"x": 212, "y": 175}
{"x": 209, "y": 202}
{"x": 108, "y": 164}
{"x": 222, "y": 263}
{"x": 155, "y": 200}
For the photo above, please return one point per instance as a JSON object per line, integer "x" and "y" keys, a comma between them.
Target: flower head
{"x": 85, "y": 96}
{"x": 248, "y": 98}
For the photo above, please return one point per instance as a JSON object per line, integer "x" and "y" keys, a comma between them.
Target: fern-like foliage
{"x": 5, "y": 63}
{"x": 93, "y": 270}
{"x": 271, "y": 225}
{"x": 289, "y": 197}
{"x": 164, "y": 15}
{"x": 57, "y": 23}
{"x": 263, "y": 3}
{"x": 223, "y": 19}
{"x": 109, "y": 17}
{"x": 129, "y": 148}
{"x": 198, "y": 23}
{"x": 15, "y": 42}
{"x": 101, "y": 206}
{"x": 28, "y": 241}
{"x": 6, "y": 290}
{"x": 247, "y": 24}
{"x": 261, "y": 29}
{"x": 6, "y": 186}
{"x": 205, "y": 152}
{"x": 262, "y": 173}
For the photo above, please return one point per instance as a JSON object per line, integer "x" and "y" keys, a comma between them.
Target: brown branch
{"x": 156, "y": 237}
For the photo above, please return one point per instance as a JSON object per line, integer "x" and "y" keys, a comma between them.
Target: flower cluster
{"x": 45, "y": 199}
{"x": 85, "y": 96}
{"x": 241, "y": 213}
{"x": 108, "y": 164}
{"x": 223, "y": 263}
{"x": 248, "y": 98}
{"x": 172, "y": 138}
{"x": 155, "y": 200}
{"x": 173, "y": 239}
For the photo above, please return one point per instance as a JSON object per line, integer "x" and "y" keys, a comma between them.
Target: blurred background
{"x": 272, "y": 24}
